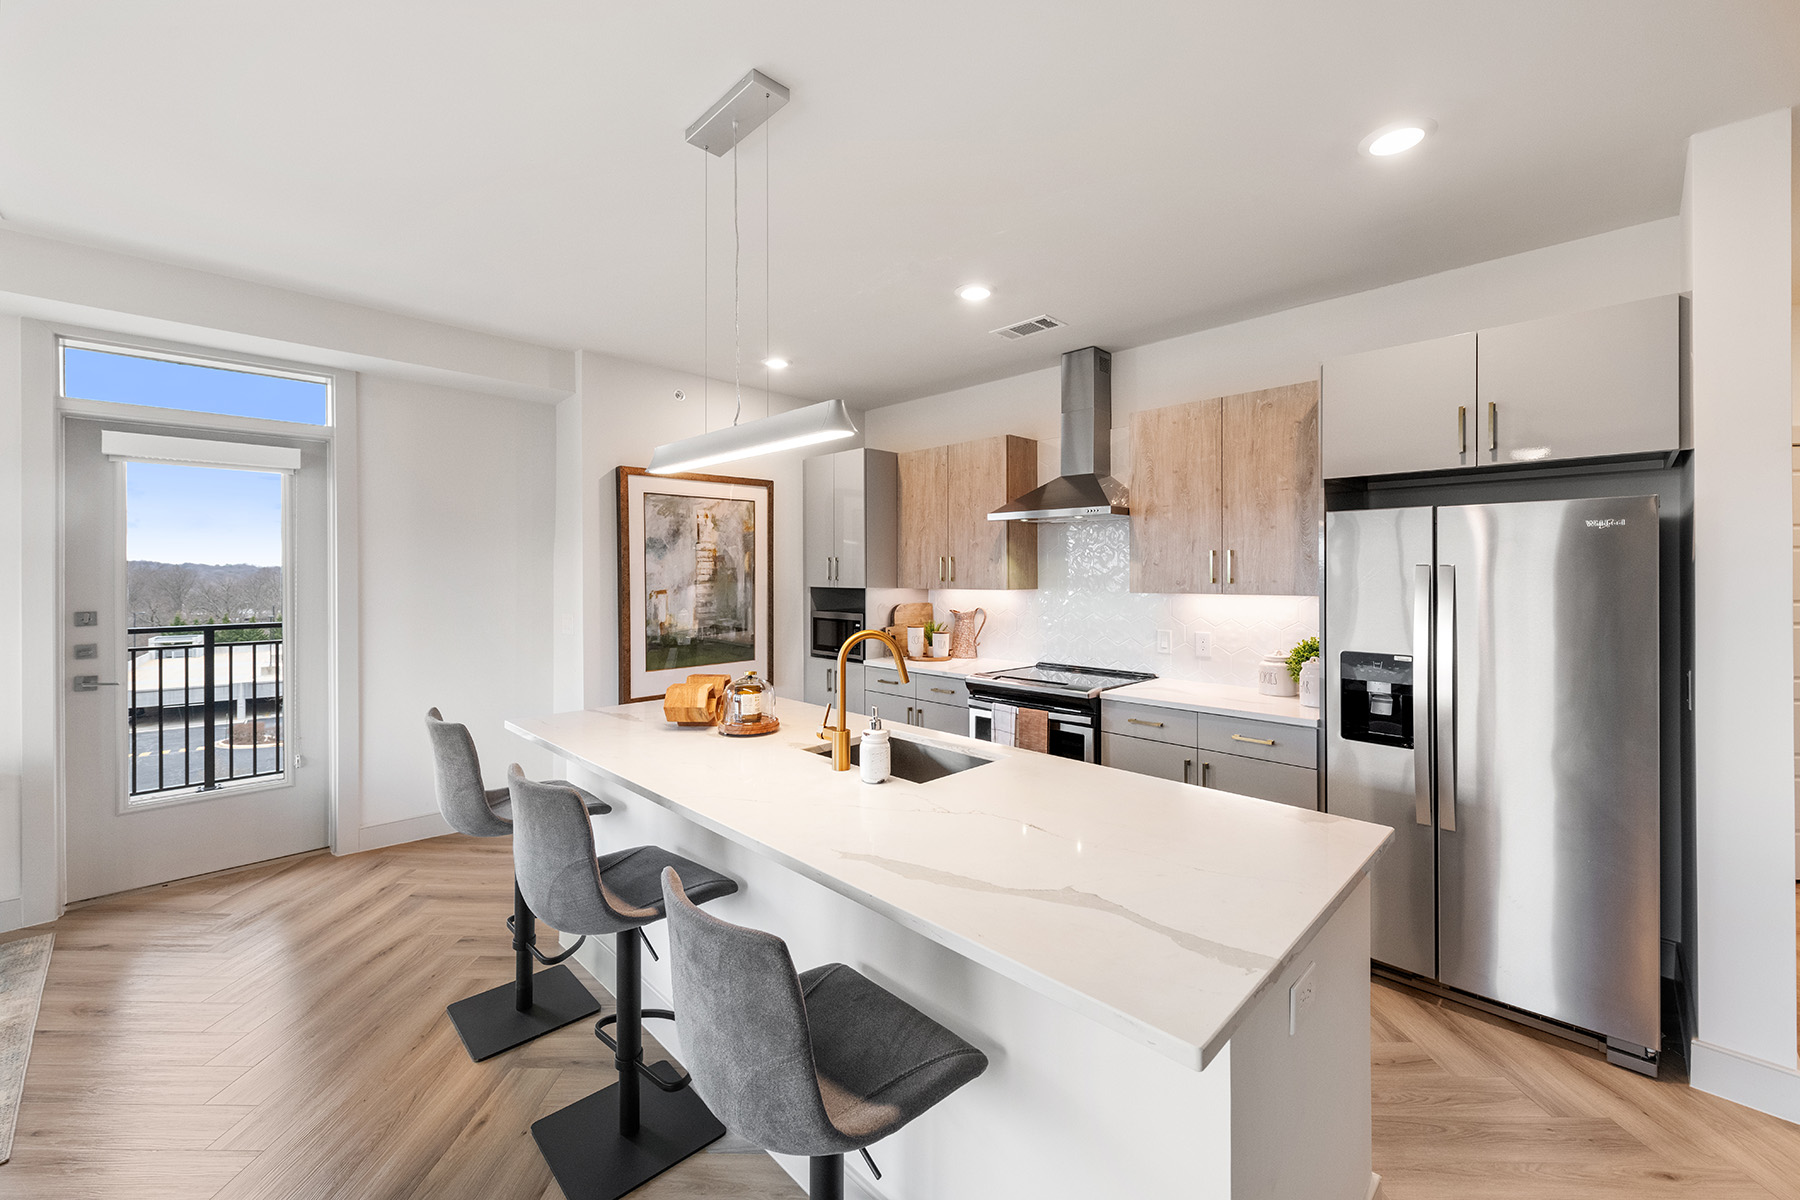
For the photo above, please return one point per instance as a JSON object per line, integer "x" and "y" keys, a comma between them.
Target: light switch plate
{"x": 86, "y": 617}
{"x": 1165, "y": 641}
{"x": 1203, "y": 645}
{"x": 1301, "y": 996}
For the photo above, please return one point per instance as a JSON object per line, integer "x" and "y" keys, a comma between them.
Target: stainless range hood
{"x": 1086, "y": 489}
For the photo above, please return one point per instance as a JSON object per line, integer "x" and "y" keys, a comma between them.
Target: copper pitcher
{"x": 966, "y": 632}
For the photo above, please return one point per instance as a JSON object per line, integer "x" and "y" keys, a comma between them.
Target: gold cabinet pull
{"x": 945, "y": 691}
{"x": 1187, "y": 764}
{"x": 953, "y": 568}
{"x": 1230, "y": 567}
{"x": 1152, "y": 724}
{"x": 895, "y": 682}
{"x": 1462, "y": 429}
{"x": 1238, "y": 737}
{"x": 1204, "y": 768}
{"x": 1212, "y": 565}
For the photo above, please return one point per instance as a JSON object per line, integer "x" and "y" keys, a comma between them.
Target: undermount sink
{"x": 913, "y": 761}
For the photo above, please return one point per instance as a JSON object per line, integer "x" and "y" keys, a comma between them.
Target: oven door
{"x": 1071, "y": 733}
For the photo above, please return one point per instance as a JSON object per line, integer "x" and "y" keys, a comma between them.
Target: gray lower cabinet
{"x": 1141, "y": 756}
{"x": 924, "y": 701}
{"x": 821, "y": 683}
{"x": 1265, "y": 759}
{"x": 945, "y": 718}
{"x": 1264, "y": 780}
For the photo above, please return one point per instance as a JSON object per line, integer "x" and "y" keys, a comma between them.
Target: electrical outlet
{"x": 1300, "y": 997}
{"x": 1203, "y": 645}
{"x": 1165, "y": 641}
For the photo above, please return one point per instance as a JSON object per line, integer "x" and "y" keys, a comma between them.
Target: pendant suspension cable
{"x": 768, "y": 398}
{"x": 705, "y": 289}
{"x": 737, "y": 319}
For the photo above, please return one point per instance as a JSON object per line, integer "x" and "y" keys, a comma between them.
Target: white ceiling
{"x": 1136, "y": 169}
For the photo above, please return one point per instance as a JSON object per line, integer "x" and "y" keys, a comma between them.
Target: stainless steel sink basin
{"x": 916, "y": 762}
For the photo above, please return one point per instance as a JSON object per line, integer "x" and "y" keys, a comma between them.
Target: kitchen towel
{"x": 1031, "y": 730}
{"x": 1006, "y": 725}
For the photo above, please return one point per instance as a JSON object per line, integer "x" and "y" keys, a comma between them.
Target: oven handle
{"x": 1062, "y": 716}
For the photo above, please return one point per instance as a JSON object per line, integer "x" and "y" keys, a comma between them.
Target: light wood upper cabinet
{"x": 1274, "y": 501}
{"x": 1177, "y": 498}
{"x": 1225, "y": 495}
{"x": 946, "y": 494}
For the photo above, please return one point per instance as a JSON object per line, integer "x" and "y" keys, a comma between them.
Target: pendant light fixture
{"x": 748, "y": 104}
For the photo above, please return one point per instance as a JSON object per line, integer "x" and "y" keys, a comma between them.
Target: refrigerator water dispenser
{"x": 1375, "y": 703}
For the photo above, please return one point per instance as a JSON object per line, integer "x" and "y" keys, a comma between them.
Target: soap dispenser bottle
{"x": 876, "y": 755}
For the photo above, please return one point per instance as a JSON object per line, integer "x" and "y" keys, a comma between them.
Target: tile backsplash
{"x": 1083, "y": 612}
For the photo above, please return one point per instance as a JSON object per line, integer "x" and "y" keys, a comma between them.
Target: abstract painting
{"x": 693, "y": 578}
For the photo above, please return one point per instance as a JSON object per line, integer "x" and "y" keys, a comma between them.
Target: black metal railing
{"x": 186, "y": 683}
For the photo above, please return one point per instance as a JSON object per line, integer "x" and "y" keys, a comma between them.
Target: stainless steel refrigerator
{"x": 1492, "y": 682}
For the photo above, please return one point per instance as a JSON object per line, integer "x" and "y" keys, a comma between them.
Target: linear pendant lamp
{"x": 798, "y": 427}
{"x": 748, "y": 104}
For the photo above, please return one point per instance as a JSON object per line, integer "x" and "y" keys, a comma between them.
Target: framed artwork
{"x": 695, "y": 593}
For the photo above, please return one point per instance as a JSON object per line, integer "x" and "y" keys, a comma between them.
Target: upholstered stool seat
{"x": 534, "y": 1003}
{"x": 820, "y": 1063}
{"x": 609, "y": 1143}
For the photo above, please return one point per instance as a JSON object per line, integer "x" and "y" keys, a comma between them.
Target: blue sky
{"x": 202, "y": 515}
{"x": 197, "y": 514}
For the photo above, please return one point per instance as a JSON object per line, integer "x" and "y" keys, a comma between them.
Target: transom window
{"x": 107, "y": 373}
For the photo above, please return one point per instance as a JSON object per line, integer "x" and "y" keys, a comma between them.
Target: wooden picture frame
{"x": 708, "y": 541}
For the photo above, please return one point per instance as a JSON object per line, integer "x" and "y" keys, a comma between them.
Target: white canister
{"x": 1272, "y": 678}
{"x": 876, "y": 757}
{"x": 1312, "y": 676}
{"x": 915, "y": 641}
{"x": 940, "y": 645}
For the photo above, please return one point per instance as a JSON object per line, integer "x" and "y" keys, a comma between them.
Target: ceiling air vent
{"x": 1027, "y": 328}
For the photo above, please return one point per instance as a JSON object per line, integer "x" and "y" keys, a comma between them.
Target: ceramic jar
{"x": 1312, "y": 680}
{"x": 1272, "y": 678}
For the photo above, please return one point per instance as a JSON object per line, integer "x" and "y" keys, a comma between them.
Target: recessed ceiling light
{"x": 1390, "y": 140}
{"x": 974, "y": 293}
{"x": 775, "y": 364}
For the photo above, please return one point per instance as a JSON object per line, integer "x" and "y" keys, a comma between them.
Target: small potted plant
{"x": 938, "y": 635}
{"x": 1303, "y": 664}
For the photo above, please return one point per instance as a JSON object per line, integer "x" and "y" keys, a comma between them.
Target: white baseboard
{"x": 393, "y": 833}
{"x": 1765, "y": 1086}
{"x": 1374, "y": 1186}
{"x": 12, "y": 914}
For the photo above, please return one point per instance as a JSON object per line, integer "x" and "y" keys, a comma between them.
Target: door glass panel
{"x": 204, "y": 673}
{"x": 118, "y": 378}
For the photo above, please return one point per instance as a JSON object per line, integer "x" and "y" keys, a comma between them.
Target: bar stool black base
{"x": 826, "y": 1177}
{"x": 592, "y": 1160}
{"x": 491, "y": 1023}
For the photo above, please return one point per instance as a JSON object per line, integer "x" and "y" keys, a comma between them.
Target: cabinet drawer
{"x": 1148, "y": 721}
{"x": 1296, "y": 745}
{"x": 944, "y": 718}
{"x": 1279, "y": 782}
{"x": 940, "y": 689}
{"x": 882, "y": 678}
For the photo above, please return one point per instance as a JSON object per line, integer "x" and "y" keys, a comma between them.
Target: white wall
{"x": 1076, "y": 608}
{"x": 12, "y": 607}
{"x": 622, "y": 411}
{"x": 457, "y": 499}
{"x": 1738, "y": 209}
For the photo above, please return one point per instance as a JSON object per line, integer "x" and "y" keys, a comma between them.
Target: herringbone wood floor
{"x": 277, "y": 1033}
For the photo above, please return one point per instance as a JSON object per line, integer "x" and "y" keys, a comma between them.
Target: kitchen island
{"x": 1130, "y": 952}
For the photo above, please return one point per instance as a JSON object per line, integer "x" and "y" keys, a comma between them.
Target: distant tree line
{"x": 201, "y": 594}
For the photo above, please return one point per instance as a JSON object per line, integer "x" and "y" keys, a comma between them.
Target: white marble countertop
{"x": 1156, "y": 908}
{"x": 1222, "y": 698}
{"x": 949, "y": 666}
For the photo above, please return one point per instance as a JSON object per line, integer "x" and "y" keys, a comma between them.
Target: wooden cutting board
{"x": 912, "y": 614}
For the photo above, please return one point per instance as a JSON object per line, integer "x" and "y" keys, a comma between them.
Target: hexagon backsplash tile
{"x": 1083, "y": 612}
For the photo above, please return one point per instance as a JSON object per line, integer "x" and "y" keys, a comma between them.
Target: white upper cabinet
{"x": 1586, "y": 385}
{"x": 1406, "y": 408}
{"x": 1596, "y": 383}
{"x": 852, "y": 519}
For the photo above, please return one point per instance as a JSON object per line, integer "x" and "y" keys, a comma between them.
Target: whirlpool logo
{"x": 1606, "y": 523}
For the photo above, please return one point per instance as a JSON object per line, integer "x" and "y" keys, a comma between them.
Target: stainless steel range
{"x": 1068, "y": 695}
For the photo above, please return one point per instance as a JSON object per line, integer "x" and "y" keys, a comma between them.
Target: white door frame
{"x": 43, "y": 809}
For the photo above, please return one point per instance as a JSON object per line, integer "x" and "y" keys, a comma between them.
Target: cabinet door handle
{"x": 945, "y": 691}
{"x": 1204, "y": 768}
{"x": 940, "y": 568}
{"x": 1238, "y": 737}
{"x": 831, "y": 679}
{"x": 836, "y": 567}
{"x": 1212, "y": 565}
{"x": 1462, "y": 429}
{"x": 953, "y": 568}
{"x": 1152, "y": 724}
{"x": 1187, "y": 767}
{"x": 895, "y": 682}
{"x": 1493, "y": 425}
{"x": 1230, "y": 567}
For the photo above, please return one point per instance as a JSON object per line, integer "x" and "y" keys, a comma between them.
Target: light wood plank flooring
{"x": 277, "y": 1033}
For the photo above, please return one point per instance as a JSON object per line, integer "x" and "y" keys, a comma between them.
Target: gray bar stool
{"x": 820, "y": 1063}
{"x": 607, "y": 1144}
{"x": 533, "y": 1004}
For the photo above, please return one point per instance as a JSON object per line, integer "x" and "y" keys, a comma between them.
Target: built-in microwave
{"x": 830, "y": 630}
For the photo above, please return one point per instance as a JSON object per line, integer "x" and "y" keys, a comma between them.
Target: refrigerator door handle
{"x": 1421, "y": 664}
{"x": 1445, "y": 699}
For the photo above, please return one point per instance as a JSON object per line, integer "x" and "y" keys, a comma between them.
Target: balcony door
{"x": 195, "y": 651}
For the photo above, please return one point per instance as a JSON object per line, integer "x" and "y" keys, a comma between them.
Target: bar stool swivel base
{"x": 621, "y": 1137}
{"x": 533, "y": 1004}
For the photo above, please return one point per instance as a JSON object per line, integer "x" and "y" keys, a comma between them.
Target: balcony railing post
{"x": 207, "y": 644}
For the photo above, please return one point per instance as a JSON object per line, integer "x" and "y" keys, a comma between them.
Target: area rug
{"x": 23, "y": 966}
